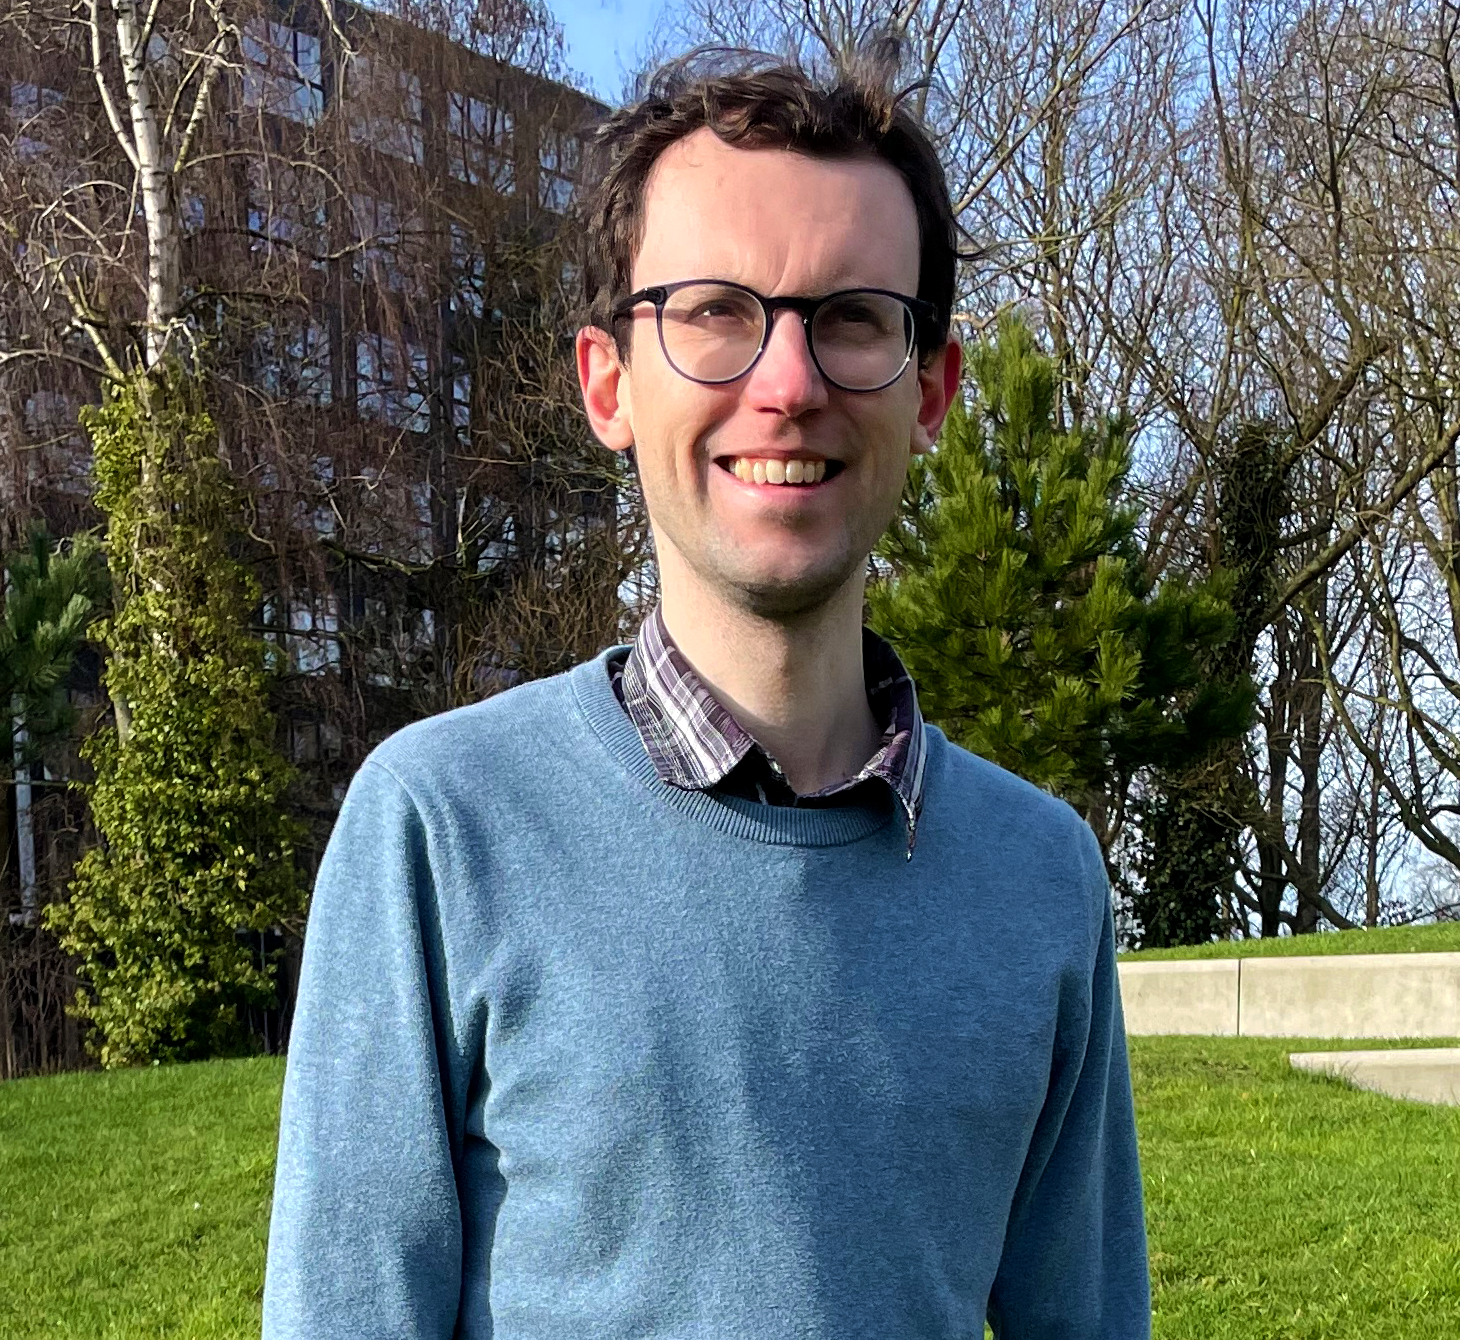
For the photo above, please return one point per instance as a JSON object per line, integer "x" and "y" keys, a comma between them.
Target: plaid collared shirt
{"x": 695, "y": 743}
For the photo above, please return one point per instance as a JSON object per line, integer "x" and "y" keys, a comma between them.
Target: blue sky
{"x": 604, "y": 38}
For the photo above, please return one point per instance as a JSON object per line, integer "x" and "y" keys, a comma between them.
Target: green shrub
{"x": 189, "y": 799}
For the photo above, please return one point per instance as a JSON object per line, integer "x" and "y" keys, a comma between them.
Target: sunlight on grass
{"x": 1282, "y": 1206}
{"x": 144, "y": 1201}
{"x": 1289, "y": 1205}
{"x": 1440, "y": 938}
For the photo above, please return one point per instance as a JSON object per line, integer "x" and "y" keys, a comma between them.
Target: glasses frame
{"x": 924, "y": 321}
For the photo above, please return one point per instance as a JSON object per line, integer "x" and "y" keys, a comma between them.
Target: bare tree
{"x": 350, "y": 219}
{"x": 1229, "y": 215}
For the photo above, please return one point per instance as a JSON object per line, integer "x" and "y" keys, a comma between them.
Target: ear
{"x": 938, "y": 382}
{"x": 603, "y": 380}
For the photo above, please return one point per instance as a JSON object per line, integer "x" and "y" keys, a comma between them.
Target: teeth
{"x": 775, "y": 470}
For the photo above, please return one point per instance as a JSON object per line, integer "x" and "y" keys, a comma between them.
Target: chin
{"x": 785, "y": 599}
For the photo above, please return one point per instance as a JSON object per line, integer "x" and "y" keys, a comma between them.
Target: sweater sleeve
{"x": 1074, "y": 1264}
{"x": 365, "y": 1238}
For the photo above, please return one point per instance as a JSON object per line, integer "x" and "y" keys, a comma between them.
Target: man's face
{"x": 783, "y": 224}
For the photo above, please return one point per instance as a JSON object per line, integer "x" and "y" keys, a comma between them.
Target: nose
{"x": 786, "y": 379}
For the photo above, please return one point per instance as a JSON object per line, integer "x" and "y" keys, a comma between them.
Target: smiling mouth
{"x": 779, "y": 472}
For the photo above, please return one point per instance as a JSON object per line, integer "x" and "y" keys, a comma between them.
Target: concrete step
{"x": 1425, "y": 1074}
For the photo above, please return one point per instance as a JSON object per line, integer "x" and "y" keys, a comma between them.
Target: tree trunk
{"x": 1371, "y": 855}
{"x": 155, "y": 182}
{"x": 1272, "y": 884}
{"x": 1309, "y": 691}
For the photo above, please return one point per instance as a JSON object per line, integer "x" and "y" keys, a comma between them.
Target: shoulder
{"x": 1020, "y": 831}
{"x": 516, "y": 729}
{"x": 1001, "y": 796}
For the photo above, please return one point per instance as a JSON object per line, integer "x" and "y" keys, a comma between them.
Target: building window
{"x": 554, "y": 193}
{"x": 27, "y": 103}
{"x": 377, "y": 232}
{"x": 461, "y": 403}
{"x": 385, "y": 241}
{"x": 286, "y": 210}
{"x": 293, "y": 361}
{"x": 571, "y": 279}
{"x": 396, "y": 638}
{"x": 558, "y": 158}
{"x": 501, "y": 548}
{"x": 425, "y": 525}
{"x": 468, "y": 272}
{"x": 193, "y": 213}
{"x": 391, "y": 382}
{"x": 322, "y": 519}
{"x": 385, "y": 109}
{"x": 312, "y": 640}
{"x": 479, "y": 141}
{"x": 283, "y": 73}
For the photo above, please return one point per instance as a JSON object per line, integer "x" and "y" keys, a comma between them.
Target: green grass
{"x": 136, "y": 1203}
{"x": 1441, "y": 938}
{"x": 1282, "y": 1206}
{"x": 1288, "y": 1206}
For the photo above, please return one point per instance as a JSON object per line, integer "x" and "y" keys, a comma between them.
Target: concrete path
{"x": 1426, "y": 1074}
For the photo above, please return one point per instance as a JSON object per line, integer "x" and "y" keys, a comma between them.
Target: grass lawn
{"x": 1441, "y": 938}
{"x": 1287, "y": 1206}
{"x": 1282, "y": 1206}
{"x": 136, "y": 1203}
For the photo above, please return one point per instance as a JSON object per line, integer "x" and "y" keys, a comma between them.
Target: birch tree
{"x": 344, "y": 220}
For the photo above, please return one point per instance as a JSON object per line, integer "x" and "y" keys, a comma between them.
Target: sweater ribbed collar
{"x": 779, "y": 825}
{"x": 695, "y": 742}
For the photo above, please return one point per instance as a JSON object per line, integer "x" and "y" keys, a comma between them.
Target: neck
{"x": 797, "y": 687}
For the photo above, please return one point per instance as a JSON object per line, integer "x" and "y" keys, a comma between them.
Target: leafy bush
{"x": 197, "y": 845}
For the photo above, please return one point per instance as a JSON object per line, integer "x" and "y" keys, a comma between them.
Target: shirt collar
{"x": 694, "y": 741}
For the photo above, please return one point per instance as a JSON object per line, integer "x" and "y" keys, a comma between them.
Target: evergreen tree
{"x": 51, "y": 595}
{"x": 189, "y": 797}
{"x": 1018, "y": 600}
{"x": 1192, "y": 813}
{"x": 50, "y": 598}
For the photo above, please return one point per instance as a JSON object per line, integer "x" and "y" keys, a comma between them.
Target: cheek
{"x": 893, "y": 434}
{"x": 666, "y": 404}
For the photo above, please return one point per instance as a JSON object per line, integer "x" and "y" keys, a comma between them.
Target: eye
{"x": 713, "y": 308}
{"x": 717, "y": 309}
{"x": 861, "y": 317}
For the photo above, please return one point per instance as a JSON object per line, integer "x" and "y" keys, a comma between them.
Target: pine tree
{"x": 50, "y": 598}
{"x": 1018, "y": 601}
{"x": 189, "y": 798}
{"x": 51, "y": 595}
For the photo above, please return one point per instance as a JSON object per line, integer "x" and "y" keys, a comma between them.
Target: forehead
{"x": 780, "y": 221}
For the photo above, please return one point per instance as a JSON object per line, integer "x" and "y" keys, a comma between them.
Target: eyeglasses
{"x": 713, "y": 331}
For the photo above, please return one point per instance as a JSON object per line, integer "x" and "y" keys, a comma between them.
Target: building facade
{"x": 377, "y": 273}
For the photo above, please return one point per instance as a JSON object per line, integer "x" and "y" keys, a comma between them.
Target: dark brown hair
{"x": 755, "y": 100}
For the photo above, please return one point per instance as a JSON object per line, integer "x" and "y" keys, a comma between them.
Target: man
{"x": 705, "y": 991}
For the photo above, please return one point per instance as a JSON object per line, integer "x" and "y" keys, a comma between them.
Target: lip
{"x": 771, "y": 454}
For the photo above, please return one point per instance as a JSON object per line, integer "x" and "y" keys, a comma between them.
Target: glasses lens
{"x": 712, "y": 331}
{"x": 862, "y": 339}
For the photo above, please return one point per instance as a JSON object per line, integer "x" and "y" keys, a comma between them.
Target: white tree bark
{"x": 154, "y": 176}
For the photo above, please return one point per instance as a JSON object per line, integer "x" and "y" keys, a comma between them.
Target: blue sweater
{"x": 578, "y": 1055}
